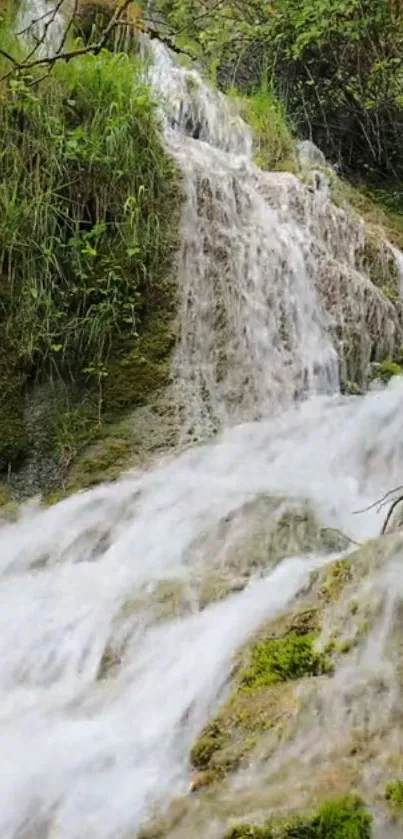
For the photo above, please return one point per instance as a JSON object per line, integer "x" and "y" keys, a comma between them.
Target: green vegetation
{"x": 263, "y": 699}
{"x": 394, "y": 793}
{"x": 344, "y": 818}
{"x": 385, "y": 370}
{"x": 274, "y": 143}
{"x": 280, "y": 659}
{"x": 89, "y": 206}
{"x": 335, "y": 579}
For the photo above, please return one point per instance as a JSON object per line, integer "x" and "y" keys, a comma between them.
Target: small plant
{"x": 394, "y": 793}
{"x": 281, "y": 659}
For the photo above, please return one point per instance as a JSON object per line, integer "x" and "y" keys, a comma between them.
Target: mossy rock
{"x": 5, "y": 495}
{"x": 381, "y": 222}
{"x": 378, "y": 261}
{"x": 335, "y": 578}
{"x": 103, "y": 461}
{"x": 227, "y": 742}
{"x": 139, "y": 367}
{"x": 261, "y": 533}
{"x": 14, "y": 436}
{"x": 385, "y": 371}
{"x": 351, "y": 388}
{"x": 262, "y": 702}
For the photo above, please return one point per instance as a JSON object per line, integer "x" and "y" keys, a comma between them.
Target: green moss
{"x": 335, "y": 579}
{"x": 141, "y": 365}
{"x": 103, "y": 461}
{"x": 280, "y": 659}
{"x": 262, "y": 702}
{"x": 385, "y": 370}
{"x": 351, "y": 388}
{"x": 344, "y": 818}
{"x": 5, "y": 495}
{"x": 204, "y": 748}
{"x": 14, "y": 437}
{"x": 394, "y": 793}
{"x": 227, "y": 741}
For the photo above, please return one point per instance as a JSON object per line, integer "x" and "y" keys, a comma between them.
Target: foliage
{"x": 88, "y": 209}
{"x": 344, "y": 818}
{"x": 280, "y": 659}
{"x": 394, "y": 793}
{"x": 275, "y": 146}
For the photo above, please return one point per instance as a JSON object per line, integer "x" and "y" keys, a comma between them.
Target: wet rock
{"x": 310, "y": 155}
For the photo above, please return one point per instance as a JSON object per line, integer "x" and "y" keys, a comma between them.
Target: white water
{"x": 272, "y": 274}
{"x": 88, "y": 757}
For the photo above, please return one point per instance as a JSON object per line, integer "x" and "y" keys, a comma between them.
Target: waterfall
{"x": 266, "y": 270}
{"x": 263, "y": 272}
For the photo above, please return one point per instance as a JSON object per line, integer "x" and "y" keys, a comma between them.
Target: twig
{"x": 379, "y": 503}
{"x": 34, "y": 22}
{"x": 389, "y": 516}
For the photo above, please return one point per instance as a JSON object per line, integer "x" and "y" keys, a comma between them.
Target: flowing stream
{"x": 257, "y": 361}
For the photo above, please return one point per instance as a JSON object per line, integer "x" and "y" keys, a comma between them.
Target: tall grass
{"x": 274, "y": 141}
{"x": 85, "y": 227}
{"x": 88, "y": 217}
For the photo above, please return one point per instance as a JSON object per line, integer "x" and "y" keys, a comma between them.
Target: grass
{"x": 394, "y": 793}
{"x": 344, "y": 818}
{"x": 89, "y": 210}
{"x": 273, "y": 139}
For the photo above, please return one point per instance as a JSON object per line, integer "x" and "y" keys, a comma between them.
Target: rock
{"x": 310, "y": 155}
{"x": 276, "y": 749}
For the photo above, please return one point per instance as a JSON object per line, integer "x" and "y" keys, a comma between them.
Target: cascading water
{"x": 266, "y": 270}
{"x": 84, "y": 755}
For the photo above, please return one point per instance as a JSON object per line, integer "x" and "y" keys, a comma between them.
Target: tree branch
{"x": 389, "y": 516}
{"x": 29, "y": 63}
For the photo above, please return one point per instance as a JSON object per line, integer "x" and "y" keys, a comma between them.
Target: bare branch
{"x": 379, "y": 503}
{"x": 389, "y": 516}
